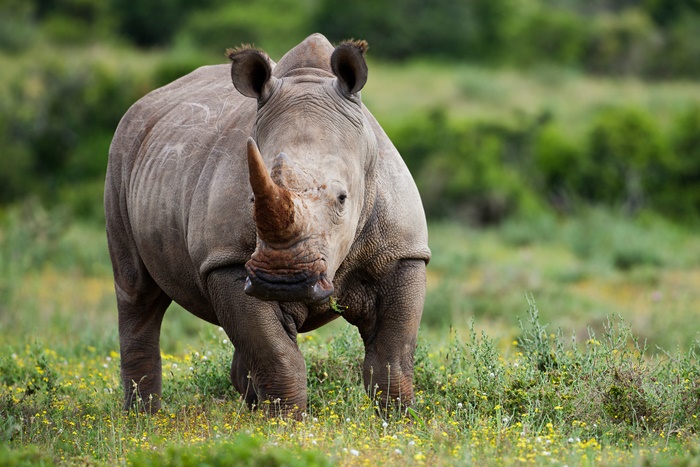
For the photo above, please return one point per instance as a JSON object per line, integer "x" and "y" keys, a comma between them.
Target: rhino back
{"x": 177, "y": 165}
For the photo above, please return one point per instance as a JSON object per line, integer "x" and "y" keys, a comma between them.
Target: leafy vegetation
{"x": 484, "y": 145}
{"x": 567, "y": 132}
{"x": 614, "y": 378}
{"x": 483, "y": 171}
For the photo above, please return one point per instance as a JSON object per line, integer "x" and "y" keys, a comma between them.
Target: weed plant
{"x": 542, "y": 398}
{"x": 490, "y": 389}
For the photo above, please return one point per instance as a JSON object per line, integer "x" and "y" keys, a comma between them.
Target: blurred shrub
{"x": 626, "y": 153}
{"x": 59, "y": 107}
{"x": 17, "y": 33}
{"x": 652, "y": 38}
{"x": 179, "y": 62}
{"x": 680, "y": 54}
{"x": 57, "y": 116}
{"x": 553, "y": 35}
{"x": 243, "y": 450}
{"x": 274, "y": 25}
{"x": 483, "y": 172}
{"x": 405, "y": 28}
{"x": 154, "y": 22}
{"x": 557, "y": 161}
{"x": 471, "y": 171}
{"x": 621, "y": 43}
{"x": 679, "y": 190}
{"x": 666, "y": 12}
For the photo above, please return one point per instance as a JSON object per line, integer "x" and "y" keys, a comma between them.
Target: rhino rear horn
{"x": 273, "y": 206}
{"x": 349, "y": 66}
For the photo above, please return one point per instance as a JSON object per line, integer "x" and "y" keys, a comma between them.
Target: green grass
{"x": 494, "y": 384}
{"x": 477, "y": 93}
{"x": 580, "y": 270}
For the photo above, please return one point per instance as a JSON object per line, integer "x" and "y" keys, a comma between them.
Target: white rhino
{"x": 252, "y": 195}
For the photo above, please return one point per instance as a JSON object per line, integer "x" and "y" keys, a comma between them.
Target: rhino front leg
{"x": 139, "y": 335}
{"x": 267, "y": 365}
{"x": 241, "y": 379}
{"x": 390, "y": 339}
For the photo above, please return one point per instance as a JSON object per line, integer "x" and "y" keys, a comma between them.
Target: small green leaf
{"x": 335, "y": 306}
{"x": 415, "y": 416}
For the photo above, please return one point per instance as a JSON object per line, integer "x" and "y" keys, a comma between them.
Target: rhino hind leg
{"x": 139, "y": 342}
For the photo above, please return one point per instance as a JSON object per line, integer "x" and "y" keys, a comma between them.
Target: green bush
{"x": 476, "y": 172}
{"x": 58, "y": 113}
{"x": 626, "y": 152}
{"x": 242, "y": 450}
{"x": 407, "y": 28}
{"x": 553, "y": 35}
{"x": 17, "y": 32}
{"x": 557, "y": 161}
{"x": 178, "y": 63}
{"x": 654, "y": 38}
{"x": 620, "y": 43}
{"x": 234, "y": 23}
{"x": 680, "y": 54}
{"x": 27, "y": 456}
{"x": 678, "y": 193}
{"x": 152, "y": 23}
{"x": 483, "y": 172}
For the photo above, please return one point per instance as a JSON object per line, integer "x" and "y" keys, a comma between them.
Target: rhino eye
{"x": 342, "y": 197}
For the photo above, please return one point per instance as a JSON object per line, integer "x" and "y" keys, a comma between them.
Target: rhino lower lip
{"x": 318, "y": 293}
{"x": 322, "y": 289}
{"x": 248, "y": 288}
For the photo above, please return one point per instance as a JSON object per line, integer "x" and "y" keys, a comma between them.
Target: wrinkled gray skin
{"x": 194, "y": 215}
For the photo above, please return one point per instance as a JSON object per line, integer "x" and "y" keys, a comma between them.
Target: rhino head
{"x": 318, "y": 144}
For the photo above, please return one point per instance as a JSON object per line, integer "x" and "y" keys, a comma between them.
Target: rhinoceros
{"x": 256, "y": 196}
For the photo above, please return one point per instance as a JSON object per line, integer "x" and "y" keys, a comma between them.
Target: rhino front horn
{"x": 274, "y": 207}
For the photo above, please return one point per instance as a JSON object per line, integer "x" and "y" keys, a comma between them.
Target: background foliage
{"x": 570, "y": 128}
{"x": 72, "y": 67}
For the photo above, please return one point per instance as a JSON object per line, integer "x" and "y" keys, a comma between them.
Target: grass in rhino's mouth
{"x": 337, "y": 307}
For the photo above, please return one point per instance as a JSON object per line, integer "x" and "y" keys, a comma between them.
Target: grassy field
{"x": 474, "y": 92}
{"x": 570, "y": 342}
{"x": 564, "y": 341}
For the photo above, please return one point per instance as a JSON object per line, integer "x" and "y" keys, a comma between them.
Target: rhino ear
{"x": 251, "y": 72}
{"x": 349, "y": 65}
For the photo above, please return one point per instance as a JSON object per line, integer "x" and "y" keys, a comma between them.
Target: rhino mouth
{"x": 306, "y": 286}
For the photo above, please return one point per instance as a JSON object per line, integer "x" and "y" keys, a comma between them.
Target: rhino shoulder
{"x": 398, "y": 223}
